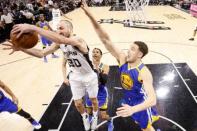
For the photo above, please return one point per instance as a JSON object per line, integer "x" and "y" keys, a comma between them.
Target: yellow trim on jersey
{"x": 119, "y": 65}
{"x": 154, "y": 118}
{"x": 104, "y": 106}
{"x": 88, "y": 106}
{"x": 19, "y": 108}
{"x": 137, "y": 68}
{"x": 129, "y": 68}
{"x": 140, "y": 71}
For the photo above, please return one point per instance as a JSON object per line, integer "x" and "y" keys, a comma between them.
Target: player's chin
{"x": 129, "y": 60}
{"x": 94, "y": 56}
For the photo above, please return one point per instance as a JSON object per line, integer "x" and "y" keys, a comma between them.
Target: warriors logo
{"x": 45, "y": 27}
{"x": 126, "y": 81}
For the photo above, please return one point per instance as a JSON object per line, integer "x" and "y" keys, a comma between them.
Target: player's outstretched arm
{"x": 53, "y": 36}
{"x": 104, "y": 37}
{"x": 33, "y": 51}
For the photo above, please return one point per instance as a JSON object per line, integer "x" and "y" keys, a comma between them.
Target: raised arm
{"x": 104, "y": 37}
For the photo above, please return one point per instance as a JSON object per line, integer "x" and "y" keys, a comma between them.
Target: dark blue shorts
{"x": 45, "y": 41}
{"x": 7, "y": 105}
{"x": 144, "y": 118}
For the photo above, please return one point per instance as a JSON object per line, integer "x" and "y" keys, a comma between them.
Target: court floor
{"x": 38, "y": 84}
{"x": 176, "y": 106}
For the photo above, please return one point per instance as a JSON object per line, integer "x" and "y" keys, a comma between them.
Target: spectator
{"x": 2, "y": 32}
{"x": 7, "y": 20}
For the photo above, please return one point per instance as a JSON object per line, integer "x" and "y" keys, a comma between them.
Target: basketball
{"x": 26, "y": 40}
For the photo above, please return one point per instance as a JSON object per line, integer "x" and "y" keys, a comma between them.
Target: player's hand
{"x": 19, "y": 29}
{"x": 66, "y": 81}
{"x": 124, "y": 111}
{"x": 15, "y": 100}
{"x": 10, "y": 46}
{"x": 84, "y": 5}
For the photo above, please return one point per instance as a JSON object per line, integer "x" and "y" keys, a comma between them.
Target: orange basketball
{"x": 26, "y": 40}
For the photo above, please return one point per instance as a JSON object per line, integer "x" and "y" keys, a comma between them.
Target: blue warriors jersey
{"x": 6, "y": 104}
{"x": 132, "y": 83}
{"x": 45, "y": 26}
{"x": 135, "y": 94}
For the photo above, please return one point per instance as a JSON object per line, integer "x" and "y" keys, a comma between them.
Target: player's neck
{"x": 96, "y": 62}
{"x": 134, "y": 64}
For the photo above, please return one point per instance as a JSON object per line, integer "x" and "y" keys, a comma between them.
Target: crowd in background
{"x": 28, "y": 11}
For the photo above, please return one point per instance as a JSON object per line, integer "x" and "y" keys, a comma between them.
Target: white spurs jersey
{"x": 77, "y": 61}
{"x": 56, "y": 14}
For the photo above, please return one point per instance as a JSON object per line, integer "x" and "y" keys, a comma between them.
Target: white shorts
{"x": 80, "y": 84}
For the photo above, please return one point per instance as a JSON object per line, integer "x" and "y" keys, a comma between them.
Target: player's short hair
{"x": 142, "y": 47}
{"x": 68, "y": 24}
{"x": 99, "y": 50}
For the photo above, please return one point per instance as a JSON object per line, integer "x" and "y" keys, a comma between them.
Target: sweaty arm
{"x": 148, "y": 87}
{"x": 104, "y": 37}
{"x": 41, "y": 53}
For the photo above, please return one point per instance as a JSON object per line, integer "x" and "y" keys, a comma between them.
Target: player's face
{"x": 42, "y": 18}
{"x": 133, "y": 53}
{"x": 96, "y": 54}
{"x": 63, "y": 29}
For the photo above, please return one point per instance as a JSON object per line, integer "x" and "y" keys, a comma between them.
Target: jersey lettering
{"x": 74, "y": 63}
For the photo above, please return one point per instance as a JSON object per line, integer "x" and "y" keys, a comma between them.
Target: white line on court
{"x": 165, "y": 118}
{"x": 48, "y": 104}
{"x": 178, "y": 74}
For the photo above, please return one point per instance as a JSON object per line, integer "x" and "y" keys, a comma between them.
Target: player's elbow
{"x": 41, "y": 55}
{"x": 153, "y": 101}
